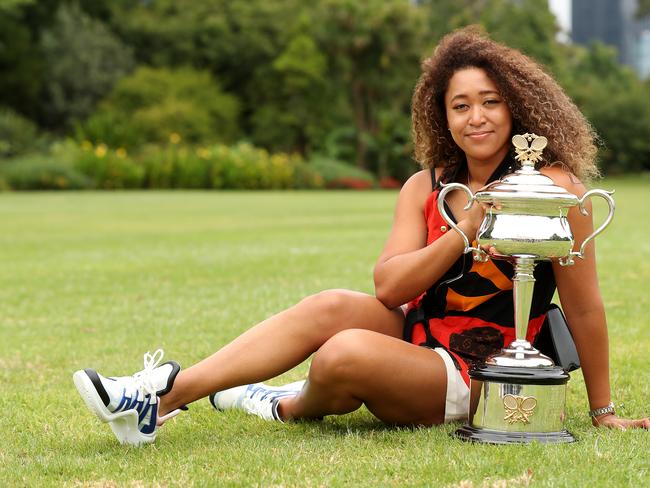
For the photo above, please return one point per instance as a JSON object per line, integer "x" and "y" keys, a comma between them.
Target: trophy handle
{"x": 605, "y": 195}
{"x": 479, "y": 254}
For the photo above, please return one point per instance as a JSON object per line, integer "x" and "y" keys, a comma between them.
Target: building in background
{"x": 562, "y": 11}
{"x": 614, "y": 22}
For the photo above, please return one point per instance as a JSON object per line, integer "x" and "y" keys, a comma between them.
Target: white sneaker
{"x": 256, "y": 399}
{"x": 130, "y": 403}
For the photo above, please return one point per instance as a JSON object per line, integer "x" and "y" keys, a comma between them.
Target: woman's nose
{"x": 476, "y": 116}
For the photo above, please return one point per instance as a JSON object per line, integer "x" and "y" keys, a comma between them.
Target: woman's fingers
{"x": 642, "y": 423}
{"x": 614, "y": 422}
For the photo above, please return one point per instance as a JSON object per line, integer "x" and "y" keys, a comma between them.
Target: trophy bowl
{"x": 518, "y": 395}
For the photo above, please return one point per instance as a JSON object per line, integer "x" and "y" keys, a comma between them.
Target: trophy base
{"x": 488, "y": 436}
{"x": 516, "y": 405}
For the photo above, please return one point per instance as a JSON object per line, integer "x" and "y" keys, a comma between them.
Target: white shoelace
{"x": 143, "y": 379}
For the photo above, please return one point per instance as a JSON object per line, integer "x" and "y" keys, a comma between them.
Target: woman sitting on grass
{"x": 472, "y": 96}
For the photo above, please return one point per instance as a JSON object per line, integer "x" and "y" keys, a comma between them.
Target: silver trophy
{"x": 519, "y": 394}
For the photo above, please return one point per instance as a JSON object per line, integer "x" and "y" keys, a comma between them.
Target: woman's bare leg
{"x": 281, "y": 342}
{"x": 399, "y": 382}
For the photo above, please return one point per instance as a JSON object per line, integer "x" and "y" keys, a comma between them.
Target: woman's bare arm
{"x": 583, "y": 306}
{"x": 407, "y": 266}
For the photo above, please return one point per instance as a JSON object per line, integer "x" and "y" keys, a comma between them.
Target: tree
{"x": 331, "y": 77}
{"x": 374, "y": 49}
{"x": 238, "y": 42}
{"x": 615, "y": 102}
{"x": 527, "y": 25}
{"x": 20, "y": 60}
{"x": 83, "y": 60}
{"x": 292, "y": 98}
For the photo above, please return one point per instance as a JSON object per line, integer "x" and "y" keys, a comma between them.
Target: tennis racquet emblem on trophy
{"x": 519, "y": 394}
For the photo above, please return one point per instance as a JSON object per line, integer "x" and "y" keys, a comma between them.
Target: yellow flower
{"x": 203, "y": 153}
{"x": 120, "y": 152}
{"x": 100, "y": 150}
{"x": 174, "y": 138}
{"x": 86, "y": 145}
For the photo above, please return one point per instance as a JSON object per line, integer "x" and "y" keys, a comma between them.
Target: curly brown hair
{"x": 536, "y": 101}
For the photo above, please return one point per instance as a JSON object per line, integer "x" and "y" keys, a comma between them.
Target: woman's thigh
{"x": 336, "y": 310}
{"x": 398, "y": 381}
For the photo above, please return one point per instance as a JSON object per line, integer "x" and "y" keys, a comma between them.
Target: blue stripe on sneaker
{"x": 144, "y": 409}
{"x": 151, "y": 426}
{"x": 125, "y": 402}
{"x": 270, "y": 393}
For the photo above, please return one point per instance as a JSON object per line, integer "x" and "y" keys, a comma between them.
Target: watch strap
{"x": 597, "y": 412}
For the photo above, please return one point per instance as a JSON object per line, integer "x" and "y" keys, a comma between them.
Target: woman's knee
{"x": 340, "y": 359}
{"x": 330, "y": 308}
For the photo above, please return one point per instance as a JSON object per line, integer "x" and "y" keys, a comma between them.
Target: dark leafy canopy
{"x": 374, "y": 49}
{"x": 20, "y": 61}
{"x": 616, "y": 103}
{"x": 527, "y": 25}
{"x": 82, "y": 61}
{"x": 332, "y": 77}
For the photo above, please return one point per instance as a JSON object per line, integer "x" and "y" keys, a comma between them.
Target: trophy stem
{"x": 523, "y": 286}
{"x": 520, "y": 352}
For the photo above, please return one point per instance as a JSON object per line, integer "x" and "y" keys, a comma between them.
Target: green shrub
{"x": 152, "y": 104}
{"x": 337, "y": 174}
{"x": 158, "y": 167}
{"x": 106, "y": 168}
{"x": 224, "y": 167}
{"x": 18, "y": 135}
{"x": 181, "y": 117}
{"x": 41, "y": 172}
{"x": 176, "y": 167}
{"x": 305, "y": 176}
{"x": 111, "y": 128}
{"x": 246, "y": 167}
{"x": 181, "y": 166}
{"x": 190, "y": 169}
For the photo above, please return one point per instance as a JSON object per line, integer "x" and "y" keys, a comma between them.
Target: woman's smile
{"x": 480, "y": 135}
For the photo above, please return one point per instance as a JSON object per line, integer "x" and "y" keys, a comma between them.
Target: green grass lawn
{"x": 97, "y": 279}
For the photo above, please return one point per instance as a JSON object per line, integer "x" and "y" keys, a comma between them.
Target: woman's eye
{"x": 460, "y": 107}
{"x": 492, "y": 101}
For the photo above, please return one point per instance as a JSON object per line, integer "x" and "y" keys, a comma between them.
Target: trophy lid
{"x": 527, "y": 186}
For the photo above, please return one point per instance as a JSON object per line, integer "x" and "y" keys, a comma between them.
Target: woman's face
{"x": 478, "y": 118}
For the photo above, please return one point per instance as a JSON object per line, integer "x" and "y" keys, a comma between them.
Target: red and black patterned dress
{"x": 470, "y": 310}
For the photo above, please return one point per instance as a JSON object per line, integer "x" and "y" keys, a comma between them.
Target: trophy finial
{"x": 528, "y": 148}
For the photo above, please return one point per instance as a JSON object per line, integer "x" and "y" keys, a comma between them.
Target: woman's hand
{"x": 613, "y": 422}
{"x": 470, "y": 220}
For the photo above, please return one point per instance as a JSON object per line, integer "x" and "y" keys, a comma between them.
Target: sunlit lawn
{"x": 97, "y": 279}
